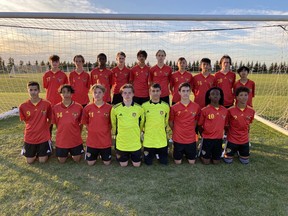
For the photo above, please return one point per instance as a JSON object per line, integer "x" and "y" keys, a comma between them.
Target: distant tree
{"x": 36, "y": 63}
{"x": 10, "y": 63}
{"x": 42, "y": 63}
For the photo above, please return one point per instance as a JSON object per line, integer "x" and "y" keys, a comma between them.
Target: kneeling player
{"x": 67, "y": 117}
{"x": 238, "y": 120}
{"x": 96, "y": 117}
{"x": 156, "y": 114}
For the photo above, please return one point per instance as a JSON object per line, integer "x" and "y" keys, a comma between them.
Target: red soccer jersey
{"x": 201, "y": 85}
{"x": 103, "y": 77}
{"x": 119, "y": 78}
{"x": 226, "y": 83}
{"x": 213, "y": 121}
{"x": 67, "y": 120}
{"x": 176, "y": 79}
{"x": 81, "y": 84}
{"x": 37, "y": 120}
{"x": 249, "y": 84}
{"x": 183, "y": 118}
{"x": 238, "y": 122}
{"x": 98, "y": 124}
{"x": 161, "y": 76}
{"x": 52, "y": 82}
{"x": 139, "y": 78}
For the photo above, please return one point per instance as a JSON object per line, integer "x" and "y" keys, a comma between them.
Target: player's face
{"x": 215, "y": 96}
{"x": 66, "y": 94}
{"x": 242, "y": 98}
{"x": 55, "y": 64}
{"x": 160, "y": 57}
{"x": 98, "y": 94}
{"x": 185, "y": 92}
{"x": 120, "y": 59}
{"x": 182, "y": 65}
{"x": 141, "y": 58}
{"x": 33, "y": 91}
{"x": 205, "y": 67}
{"x": 155, "y": 93}
{"x": 78, "y": 62}
{"x": 127, "y": 94}
{"x": 243, "y": 74}
{"x": 225, "y": 64}
{"x": 102, "y": 60}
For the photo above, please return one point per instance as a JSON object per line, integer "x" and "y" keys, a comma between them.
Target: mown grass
{"x": 259, "y": 188}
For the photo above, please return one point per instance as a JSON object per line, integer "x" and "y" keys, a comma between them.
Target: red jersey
{"x": 250, "y": 85}
{"x": 184, "y": 119}
{"x": 226, "y": 83}
{"x": 103, "y": 77}
{"x": 37, "y": 120}
{"x": 213, "y": 121}
{"x": 52, "y": 82}
{"x": 161, "y": 76}
{"x": 139, "y": 78}
{"x": 176, "y": 79}
{"x": 201, "y": 85}
{"x": 67, "y": 120}
{"x": 238, "y": 122}
{"x": 98, "y": 124}
{"x": 119, "y": 78}
{"x": 81, "y": 84}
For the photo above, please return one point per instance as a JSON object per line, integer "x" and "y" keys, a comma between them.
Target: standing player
{"x": 225, "y": 80}
{"x": 67, "y": 117}
{"x": 183, "y": 121}
{"x": 103, "y": 76}
{"x": 179, "y": 77}
{"x": 212, "y": 122}
{"x": 80, "y": 81}
{"x": 161, "y": 74}
{"x": 127, "y": 120}
{"x": 36, "y": 113}
{"x": 139, "y": 78}
{"x": 120, "y": 77}
{"x": 244, "y": 81}
{"x": 156, "y": 120}
{"x": 96, "y": 117}
{"x": 202, "y": 82}
{"x": 239, "y": 119}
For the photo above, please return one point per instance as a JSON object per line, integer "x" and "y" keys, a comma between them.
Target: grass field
{"x": 259, "y": 188}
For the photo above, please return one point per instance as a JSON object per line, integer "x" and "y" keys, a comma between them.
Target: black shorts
{"x": 212, "y": 149}
{"x": 124, "y": 156}
{"x": 92, "y": 154}
{"x": 63, "y": 152}
{"x": 166, "y": 100}
{"x": 232, "y": 148}
{"x": 149, "y": 155}
{"x": 140, "y": 100}
{"x": 188, "y": 149}
{"x": 39, "y": 150}
{"x": 117, "y": 98}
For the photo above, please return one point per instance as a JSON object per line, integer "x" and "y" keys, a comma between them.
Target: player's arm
{"x": 201, "y": 122}
{"x": 142, "y": 119}
{"x": 21, "y": 114}
{"x": 113, "y": 117}
{"x": 45, "y": 81}
{"x": 171, "y": 119}
{"x": 49, "y": 114}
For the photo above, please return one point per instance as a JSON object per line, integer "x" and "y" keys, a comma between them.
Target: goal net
{"x": 27, "y": 43}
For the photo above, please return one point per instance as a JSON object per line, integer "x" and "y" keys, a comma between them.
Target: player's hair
{"x": 142, "y": 52}
{"x": 161, "y": 50}
{"x": 208, "y": 100}
{"x": 99, "y": 86}
{"x": 33, "y": 83}
{"x": 241, "y": 89}
{"x": 184, "y": 84}
{"x": 54, "y": 58}
{"x": 181, "y": 59}
{"x": 155, "y": 85}
{"x": 121, "y": 54}
{"x": 79, "y": 56}
{"x": 226, "y": 57}
{"x": 127, "y": 85}
{"x": 243, "y": 68}
{"x": 102, "y": 54}
{"x": 68, "y": 87}
{"x": 206, "y": 60}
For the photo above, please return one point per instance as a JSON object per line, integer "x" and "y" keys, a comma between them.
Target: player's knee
{"x": 205, "y": 161}
{"x": 30, "y": 160}
{"x": 107, "y": 162}
{"x": 178, "y": 161}
{"x": 228, "y": 160}
{"x": 244, "y": 160}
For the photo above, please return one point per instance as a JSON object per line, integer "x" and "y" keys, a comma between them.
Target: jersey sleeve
{"x": 21, "y": 114}
{"x": 167, "y": 116}
{"x": 201, "y": 118}
{"x": 44, "y": 81}
{"x": 49, "y": 113}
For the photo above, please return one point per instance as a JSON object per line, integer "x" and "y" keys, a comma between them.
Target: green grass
{"x": 259, "y": 188}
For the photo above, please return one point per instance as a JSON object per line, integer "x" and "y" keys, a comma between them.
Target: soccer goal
{"x": 258, "y": 42}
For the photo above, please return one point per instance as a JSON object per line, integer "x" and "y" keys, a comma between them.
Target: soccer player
{"x": 183, "y": 121}
{"x": 127, "y": 120}
{"x": 225, "y": 80}
{"x": 139, "y": 78}
{"x": 202, "y": 82}
{"x": 211, "y": 122}
{"x": 238, "y": 121}
{"x": 67, "y": 118}
{"x": 161, "y": 74}
{"x": 156, "y": 120}
{"x": 179, "y": 77}
{"x": 80, "y": 81}
{"x": 244, "y": 81}
{"x": 96, "y": 117}
{"x": 36, "y": 113}
{"x": 120, "y": 77}
{"x": 103, "y": 76}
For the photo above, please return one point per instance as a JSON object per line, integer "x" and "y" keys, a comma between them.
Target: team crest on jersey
{"x": 106, "y": 115}
{"x": 220, "y": 80}
{"x": 230, "y": 80}
{"x": 137, "y": 74}
{"x": 176, "y": 79}
{"x": 161, "y": 112}
{"x": 248, "y": 118}
{"x": 43, "y": 112}
{"x": 59, "y": 80}
{"x": 223, "y": 116}
{"x": 84, "y": 80}
{"x": 95, "y": 76}
{"x": 155, "y": 74}
{"x": 178, "y": 113}
{"x": 75, "y": 114}
{"x": 235, "y": 117}
{"x": 193, "y": 114}
{"x": 134, "y": 114}
{"x": 166, "y": 74}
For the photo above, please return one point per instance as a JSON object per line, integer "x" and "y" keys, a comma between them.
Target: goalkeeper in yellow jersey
{"x": 156, "y": 114}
